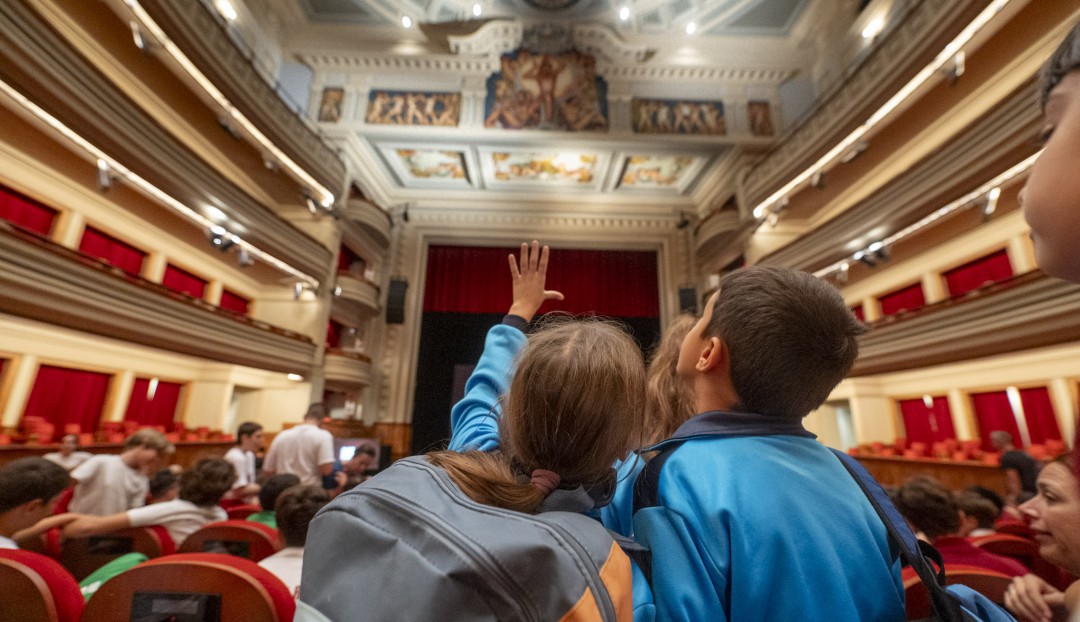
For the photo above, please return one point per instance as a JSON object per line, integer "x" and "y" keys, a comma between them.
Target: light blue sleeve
{"x": 475, "y": 419}
{"x": 618, "y": 514}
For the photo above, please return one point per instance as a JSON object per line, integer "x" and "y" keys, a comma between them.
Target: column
{"x": 15, "y": 390}
{"x": 154, "y": 267}
{"x": 213, "y": 292}
{"x": 871, "y": 309}
{"x": 874, "y": 418}
{"x": 1021, "y": 254}
{"x": 963, "y": 417}
{"x": 116, "y": 402}
{"x": 1063, "y": 397}
{"x": 934, "y": 288}
{"x": 69, "y": 228}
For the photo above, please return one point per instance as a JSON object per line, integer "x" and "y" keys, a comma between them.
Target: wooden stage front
{"x": 893, "y": 471}
{"x": 187, "y": 453}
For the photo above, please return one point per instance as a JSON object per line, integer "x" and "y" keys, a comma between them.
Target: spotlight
{"x": 244, "y": 258}
{"x": 855, "y": 151}
{"x": 270, "y": 163}
{"x": 865, "y": 258}
{"x": 818, "y": 180}
{"x": 136, "y": 36}
{"x": 691, "y": 28}
{"x": 337, "y": 290}
{"x": 297, "y": 290}
{"x": 954, "y": 69}
{"x": 405, "y": 214}
{"x": 104, "y": 177}
{"x": 312, "y": 206}
{"x": 842, "y": 273}
{"x": 773, "y": 218}
{"x": 684, "y": 221}
{"x": 874, "y": 28}
{"x": 991, "y": 202}
{"x": 221, "y": 239}
{"x": 624, "y": 13}
{"x": 406, "y": 21}
{"x": 477, "y": 10}
{"x": 227, "y": 125}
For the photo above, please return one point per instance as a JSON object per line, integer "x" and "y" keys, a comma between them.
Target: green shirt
{"x": 267, "y": 518}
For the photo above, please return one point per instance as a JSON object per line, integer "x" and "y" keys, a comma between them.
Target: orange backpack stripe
{"x": 616, "y": 577}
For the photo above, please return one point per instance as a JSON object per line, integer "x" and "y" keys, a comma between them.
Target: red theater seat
{"x": 986, "y": 582}
{"x": 240, "y": 512}
{"x": 82, "y": 556}
{"x": 247, "y": 591}
{"x": 37, "y": 588}
{"x": 241, "y": 538}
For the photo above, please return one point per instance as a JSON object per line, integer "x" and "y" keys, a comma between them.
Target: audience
{"x": 930, "y": 508}
{"x": 249, "y": 439}
{"x": 977, "y": 514}
{"x": 69, "y": 457}
{"x": 268, "y": 496}
{"x": 201, "y": 489}
{"x": 305, "y": 450}
{"x": 294, "y": 509}
{"x": 354, "y": 470}
{"x": 29, "y": 489}
{"x": 164, "y": 486}
{"x": 107, "y": 484}
{"x": 1020, "y": 468}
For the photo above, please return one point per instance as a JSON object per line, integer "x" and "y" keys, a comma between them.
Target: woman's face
{"x": 1055, "y": 516}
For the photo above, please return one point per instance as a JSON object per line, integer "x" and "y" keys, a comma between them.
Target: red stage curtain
{"x": 993, "y": 412}
{"x": 112, "y": 251}
{"x": 25, "y": 212}
{"x": 858, "y": 312}
{"x": 1039, "y": 415}
{"x": 62, "y": 396}
{"x": 973, "y": 275}
{"x": 159, "y": 410}
{"x": 234, "y": 302}
{"x": 927, "y": 425}
{"x": 333, "y": 334}
{"x": 477, "y": 280}
{"x": 184, "y": 282}
{"x": 906, "y": 299}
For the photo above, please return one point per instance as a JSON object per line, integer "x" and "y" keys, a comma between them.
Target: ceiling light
{"x": 928, "y": 401}
{"x": 136, "y": 36}
{"x": 992, "y": 201}
{"x": 773, "y": 218}
{"x": 104, "y": 179}
{"x": 691, "y": 28}
{"x": 226, "y": 9}
{"x": 477, "y": 10}
{"x": 294, "y": 377}
{"x": 337, "y": 290}
{"x": 874, "y": 28}
{"x": 406, "y": 21}
{"x": 624, "y": 13}
{"x": 244, "y": 258}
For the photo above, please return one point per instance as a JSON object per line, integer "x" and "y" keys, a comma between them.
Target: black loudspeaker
{"x": 385, "y": 457}
{"x": 395, "y": 302}
{"x": 688, "y": 300}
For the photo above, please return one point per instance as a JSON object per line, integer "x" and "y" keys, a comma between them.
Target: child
{"x": 108, "y": 484}
{"x": 268, "y": 496}
{"x": 567, "y": 416}
{"x": 294, "y": 510}
{"x": 29, "y": 489}
{"x": 249, "y": 439}
{"x": 750, "y": 518}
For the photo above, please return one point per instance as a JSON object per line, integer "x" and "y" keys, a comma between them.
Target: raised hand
{"x": 529, "y": 272}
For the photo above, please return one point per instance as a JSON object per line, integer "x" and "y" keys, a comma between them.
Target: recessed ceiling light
{"x": 226, "y": 9}
{"x": 874, "y": 28}
{"x": 477, "y": 10}
{"x": 406, "y": 21}
{"x": 691, "y": 28}
{"x": 624, "y": 13}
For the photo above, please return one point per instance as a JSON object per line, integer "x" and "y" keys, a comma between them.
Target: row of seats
{"x": 38, "y": 431}
{"x": 952, "y": 449}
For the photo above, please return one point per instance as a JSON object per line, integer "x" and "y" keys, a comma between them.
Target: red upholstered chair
{"x": 1023, "y": 550}
{"x": 72, "y": 428}
{"x": 82, "y": 556}
{"x": 247, "y": 591}
{"x": 986, "y": 582}
{"x": 37, "y": 588}
{"x": 240, "y": 512}
{"x": 242, "y": 538}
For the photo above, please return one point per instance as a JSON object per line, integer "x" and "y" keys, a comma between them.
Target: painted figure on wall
{"x": 330, "y": 104}
{"x": 547, "y": 91}
{"x": 413, "y": 108}
{"x": 643, "y": 171}
{"x": 670, "y": 116}
{"x": 760, "y": 116}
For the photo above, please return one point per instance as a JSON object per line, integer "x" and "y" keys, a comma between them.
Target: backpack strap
{"x": 912, "y": 550}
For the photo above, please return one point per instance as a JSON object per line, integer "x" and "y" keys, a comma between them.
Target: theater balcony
{"x": 1030, "y": 310}
{"x": 358, "y": 299}
{"x": 368, "y": 223}
{"x": 347, "y": 371}
{"x": 47, "y": 282}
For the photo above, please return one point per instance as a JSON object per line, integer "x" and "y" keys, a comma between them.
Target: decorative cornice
{"x": 1032, "y": 311}
{"x": 49, "y": 283}
{"x": 494, "y": 38}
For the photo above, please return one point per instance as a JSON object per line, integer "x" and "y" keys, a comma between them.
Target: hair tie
{"x": 545, "y": 481}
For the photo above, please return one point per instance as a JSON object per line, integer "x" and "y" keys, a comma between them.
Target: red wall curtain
{"x": 153, "y": 411}
{"x": 62, "y": 396}
{"x": 25, "y": 212}
{"x": 993, "y": 412}
{"x": 234, "y": 302}
{"x": 477, "y": 280}
{"x": 1039, "y": 415}
{"x": 927, "y": 425}
{"x": 906, "y": 299}
{"x": 973, "y": 275}
{"x": 333, "y": 334}
{"x": 857, "y": 310}
{"x": 346, "y": 258}
{"x": 184, "y": 282}
{"x": 112, "y": 251}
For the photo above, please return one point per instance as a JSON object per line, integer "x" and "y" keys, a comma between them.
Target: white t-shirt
{"x": 107, "y": 486}
{"x": 287, "y": 565}
{"x": 68, "y": 462}
{"x": 301, "y": 450}
{"x": 180, "y": 518}
{"x": 244, "y": 463}
{"x": 8, "y": 543}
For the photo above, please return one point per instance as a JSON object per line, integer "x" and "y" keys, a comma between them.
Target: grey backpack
{"x": 409, "y": 545}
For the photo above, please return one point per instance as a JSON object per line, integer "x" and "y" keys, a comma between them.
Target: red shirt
{"x": 957, "y": 550}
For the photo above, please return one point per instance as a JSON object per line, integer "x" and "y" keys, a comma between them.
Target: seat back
{"x": 242, "y": 589}
{"x": 1024, "y": 550}
{"x": 82, "y": 556}
{"x": 241, "y": 538}
{"x": 37, "y": 588}
{"x": 986, "y": 582}
{"x": 240, "y": 512}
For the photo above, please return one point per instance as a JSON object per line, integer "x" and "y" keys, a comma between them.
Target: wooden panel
{"x": 955, "y": 475}
{"x": 397, "y": 435}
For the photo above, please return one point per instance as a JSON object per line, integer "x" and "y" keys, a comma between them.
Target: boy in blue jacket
{"x": 750, "y": 518}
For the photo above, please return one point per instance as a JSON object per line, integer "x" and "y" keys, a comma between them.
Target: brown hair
{"x": 978, "y": 507}
{"x": 790, "y": 337}
{"x": 205, "y": 483}
{"x": 27, "y": 479}
{"x": 151, "y": 439}
{"x": 1065, "y": 60}
{"x": 247, "y": 428}
{"x": 929, "y": 506}
{"x": 668, "y": 398}
{"x": 573, "y": 407}
{"x": 294, "y": 510}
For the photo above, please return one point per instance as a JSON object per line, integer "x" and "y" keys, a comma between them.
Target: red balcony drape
{"x": 927, "y": 425}
{"x": 21, "y": 210}
{"x": 111, "y": 250}
{"x": 857, "y": 310}
{"x": 1039, "y": 415}
{"x": 906, "y": 299}
{"x": 983, "y": 271}
{"x": 62, "y": 396}
{"x": 234, "y": 302}
{"x": 477, "y": 280}
{"x": 153, "y": 411}
{"x": 333, "y": 334}
{"x": 180, "y": 280}
{"x": 993, "y": 412}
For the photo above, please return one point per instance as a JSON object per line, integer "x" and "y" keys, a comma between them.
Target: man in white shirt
{"x": 29, "y": 489}
{"x": 249, "y": 439}
{"x": 304, "y": 450}
{"x": 295, "y": 508}
{"x": 110, "y": 483}
{"x": 69, "y": 457}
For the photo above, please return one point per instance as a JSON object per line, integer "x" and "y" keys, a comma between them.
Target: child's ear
{"x": 713, "y": 357}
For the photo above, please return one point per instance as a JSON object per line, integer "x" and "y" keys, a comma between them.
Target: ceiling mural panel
{"x": 424, "y": 167}
{"x": 659, "y": 172}
{"x": 413, "y": 108}
{"x": 670, "y": 116}
{"x": 529, "y": 169}
{"x": 547, "y": 92}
